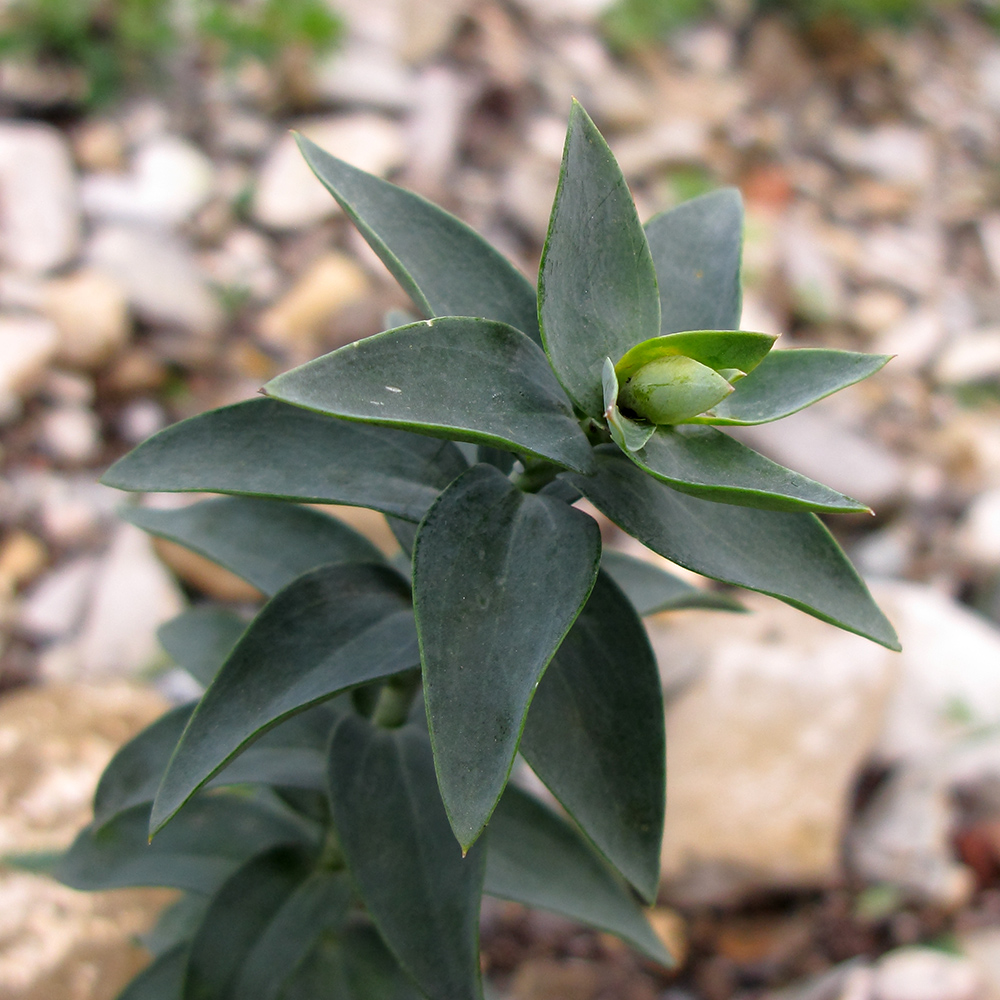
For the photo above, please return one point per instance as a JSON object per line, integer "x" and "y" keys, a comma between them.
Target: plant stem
{"x": 395, "y": 699}
{"x": 331, "y": 857}
{"x": 536, "y": 476}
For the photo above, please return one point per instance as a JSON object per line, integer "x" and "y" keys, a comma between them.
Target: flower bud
{"x": 672, "y": 389}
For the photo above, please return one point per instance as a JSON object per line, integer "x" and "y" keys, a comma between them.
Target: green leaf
{"x": 706, "y": 463}
{"x": 163, "y": 979}
{"x": 594, "y": 735}
{"x": 526, "y": 565}
{"x": 444, "y": 265}
{"x": 788, "y": 381}
{"x": 329, "y": 630}
{"x": 261, "y": 924}
{"x": 538, "y": 859}
{"x": 212, "y": 837}
{"x": 265, "y": 448}
{"x": 597, "y": 293}
{"x": 475, "y": 379}
{"x": 651, "y": 589}
{"x": 716, "y": 349}
{"x": 696, "y": 248}
{"x": 176, "y": 924}
{"x": 419, "y": 889}
{"x": 790, "y": 556}
{"x": 199, "y": 639}
{"x": 230, "y": 532}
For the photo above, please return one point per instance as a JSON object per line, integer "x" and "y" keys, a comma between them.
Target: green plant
{"x": 337, "y": 801}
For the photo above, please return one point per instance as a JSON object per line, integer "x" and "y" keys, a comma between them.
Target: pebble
{"x": 972, "y": 357}
{"x": 99, "y": 145}
{"x": 670, "y": 143}
{"x": 977, "y": 535}
{"x": 90, "y": 310}
{"x": 914, "y": 341}
{"x": 895, "y": 153}
{"x": 27, "y": 345}
{"x": 925, "y": 974}
{"x": 982, "y": 947}
{"x": 244, "y": 263}
{"x": 878, "y": 310}
{"x": 54, "y": 607}
{"x": 139, "y": 419}
{"x": 910, "y": 257}
{"x": 361, "y": 73}
{"x": 159, "y": 276}
{"x": 288, "y": 196}
{"x": 39, "y": 211}
{"x": 989, "y": 234}
{"x": 22, "y": 557}
{"x": 71, "y": 434}
{"x": 170, "y": 180}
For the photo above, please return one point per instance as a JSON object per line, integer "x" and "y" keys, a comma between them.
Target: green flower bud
{"x": 672, "y": 389}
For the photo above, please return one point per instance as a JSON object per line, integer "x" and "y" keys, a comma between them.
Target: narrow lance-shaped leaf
{"x": 419, "y": 889}
{"x": 329, "y": 630}
{"x": 474, "y": 379}
{"x": 538, "y": 859}
{"x": 696, "y": 248}
{"x": 444, "y": 265}
{"x": 788, "y": 381}
{"x": 597, "y": 293}
{"x": 267, "y": 542}
{"x": 595, "y": 735}
{"x": 790, "y": 556}
{"x": 163, "y": 979}
{"x": 266, "y": 448}
{"x": 200, "y": 638}
{"x": 706, "y": 463}
{"x": 499, "y": 578}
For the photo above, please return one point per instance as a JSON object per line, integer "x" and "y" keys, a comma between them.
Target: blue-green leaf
{"x": 199, "y": 639}
{"x": 163, "y": 979}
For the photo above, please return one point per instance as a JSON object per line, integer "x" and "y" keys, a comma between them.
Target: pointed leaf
{"x": 526, "y": 565}
{"x": 443, "y": 264}
{"x": 329, "y": 630}
{"x": 475, "y": 379}
{"x": 419, "y": 889}
{"x": 706, "y": 463}
{"x": 199, "y": 639}
{"x": 261, "y": 923}
{"x": 696, "y": 248}
{"x": 788, "y": 381}
{"x": 717, "y": 349}
{"x": 594, "y": 735}
{"x": 209, "y": 841}
{"x": 538, "y": 859}
{"x": 266, "y": 448}
{"x": 176, "y": 924}
{"x": 651, "y": 589}
{"x": 229, "y": 531}
{"x": 790, "y": 556}
{"x": 597, "y": 294}
{"x": 163, "y": 979}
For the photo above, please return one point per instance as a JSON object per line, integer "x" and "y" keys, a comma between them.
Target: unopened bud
{"x": 672, "y": 389}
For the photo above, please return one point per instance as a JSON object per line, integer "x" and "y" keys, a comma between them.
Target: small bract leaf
{"x": 716, "y": 349}
{"x": 672, "y": 389}
{"x": 474, "y": 379}
{"x": 499, "y": 577}
{"x": 266, "y": 448}
{"x": 420, "y": 890}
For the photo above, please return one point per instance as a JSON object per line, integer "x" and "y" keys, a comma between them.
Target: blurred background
{"x": 833, "y": 808}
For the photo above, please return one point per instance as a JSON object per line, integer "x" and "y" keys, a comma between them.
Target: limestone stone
{"x": 70, "y": 434}
{"x": 90, "y": 310}
{"x": 22, "y": 557}
{"x": 977, "y": 537}
{"x": 366, "y": 74}
{"x": 972, "y": 357}
{"x": 55, "y": 606}
{"x": 895, "y": 153}
{"x": 27, "y": 345}
{"x": 919, "y": 973}
{"x": 775, "y": 714}
{"x": 39, "y": 212}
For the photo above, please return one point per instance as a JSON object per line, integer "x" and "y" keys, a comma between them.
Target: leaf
{"x": 265, "y": 448}
{"x": 212, "y": 837}
{"x": 651, "y": 589}
{"x": 706, "y": 463}
{"x": 717, "y": 349}
{"x": 696, "y": 248}
{"x": 627, "y": 434}
{"x": 594, "y": 735}
{"x": 788, "y": 381}
{"x": 329, "y": 630}
{"x": 199, "y": 639}
{"x": 176, "y": 924}
{"x": 261, "y": 923}
{"x": 526, "y": 565}
{"x": 597, "y": 293}
{"x": 790, "y": 556}
{"x": 267, "y": 542}
{"x": 475, "y": 379}
{"x": 421, "y": 892}
{"x": 163, "y": 979}
{"x": 443, "y": 264}
{"x": 538, "y": 859}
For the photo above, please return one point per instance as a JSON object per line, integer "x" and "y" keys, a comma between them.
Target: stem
{"x": 393, "y": 706}
{"x": 536, "y": 476}
{"x": 331, "y": 857}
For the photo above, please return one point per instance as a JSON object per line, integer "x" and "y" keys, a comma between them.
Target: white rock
{"x": 988, "y": 74}
{"x": 27, "y": 345}
{"x": 780, "y": 714}
{"x": 90, "y": 310}
{"x": 366, "y": 74}
{"x": 158, "y": 274}
{"x": 925, "y": 974}
{"x": 910, "y": 257}
{"x": 977, "y": 537}
{"x": 816, "y": 281}
{"x": 989, "y": 234}
{"x": 577, "y": 11}
{"x": 244, "y": 263}
{"x": 441, "y": 97}
{"x": 133, "y": 595}
{"x": 170, "y": 180}
{"x": 679, "y": 140}
{"x": 708, "y": 48}
{"x": 54, "y": 607}
{"x": 140, "y": 419}
{"x": 39, "y": 213}
{"x": 71, "y": 434}
{"x": 288, "y": 196}
{"x": 895, "y": 153}
{"x": 914, "y": 340}
{"x": 70, "y": 507}
{"x": 972, "y": 357}
{"x": 982, "y": 947}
